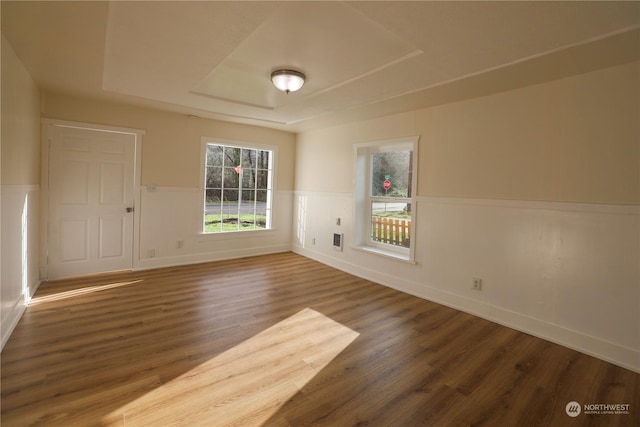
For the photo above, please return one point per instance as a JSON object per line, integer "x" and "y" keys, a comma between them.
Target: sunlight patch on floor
{"x": 79, "y": 292}
{"x": 247, "y": 384}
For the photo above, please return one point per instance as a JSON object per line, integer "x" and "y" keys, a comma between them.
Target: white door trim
{"x": 45, "y": 127}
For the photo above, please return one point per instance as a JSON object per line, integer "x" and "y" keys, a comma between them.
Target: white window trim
{"x": 240, "y": 144}
{"x": 363, "y": 198}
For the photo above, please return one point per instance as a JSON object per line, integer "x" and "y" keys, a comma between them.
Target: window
{"x": 385, "y": 188}
{"x": 237, "y": 188}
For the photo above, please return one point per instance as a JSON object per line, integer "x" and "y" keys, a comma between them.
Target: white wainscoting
{"x": 20, "y": 252}
{"x": 565, "y": 272}
{"x": 172, "y": 214}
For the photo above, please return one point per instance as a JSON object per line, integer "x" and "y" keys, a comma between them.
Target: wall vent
{"x": 337, "y": 241}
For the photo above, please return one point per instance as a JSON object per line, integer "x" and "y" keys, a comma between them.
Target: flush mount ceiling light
{"x": 287, "y": 80}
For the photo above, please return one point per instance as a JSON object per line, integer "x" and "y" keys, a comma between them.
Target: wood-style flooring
{"x": 281, "y": 340}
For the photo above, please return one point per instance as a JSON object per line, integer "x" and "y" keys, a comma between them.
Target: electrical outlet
{"x": 338, "y": 221}
{"x": 477, "y": 284}
{"x": 151, "y": 253}
{"x": 180, "y": 244}
{"x": 313, "y": 241}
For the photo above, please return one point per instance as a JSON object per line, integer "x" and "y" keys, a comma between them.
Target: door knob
{"x": 129, "y": 209}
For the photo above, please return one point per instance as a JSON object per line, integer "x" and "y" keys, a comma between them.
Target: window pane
{"x": 391, "y": 170}
{"x": 247, "y": 223}
{"x": 230, "y": 221}
{"x": 261, "y": 219}
{"x": 393, "y": 209}
{"x": 212, "y": 211}
{"x": 391, "y": 223}
{"x": 248, "y": 158}
{"x": 230, "y": 199}
{"x": 262, "y": 178}
{"x": 262, "y": 195}
{"x": 261, "y": 204}
{"x": 262, "y": 159}
{"x": 231, "y": 156}
{"x": 248, "y": 198}
{"x": 248, "y": 178}
{"x": 214, "y": 155}
{"x": 212, "y": 196}
{"x": 214, "y": 177}
{"x": 212, "y": 223}
{"x": 231, "y": 178}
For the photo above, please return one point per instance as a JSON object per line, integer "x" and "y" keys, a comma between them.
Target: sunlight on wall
{"x": 24, "y": 234}
{"x": 247, "y": 384}
{"x": 301, "y": 220}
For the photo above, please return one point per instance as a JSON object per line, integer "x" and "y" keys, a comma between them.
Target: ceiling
{"x": 362, "y": 59}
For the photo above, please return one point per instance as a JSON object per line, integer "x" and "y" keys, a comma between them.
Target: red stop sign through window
{"x": 387, "y": 184}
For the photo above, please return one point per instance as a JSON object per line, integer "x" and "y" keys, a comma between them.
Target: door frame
{"x": 46, "y": 135}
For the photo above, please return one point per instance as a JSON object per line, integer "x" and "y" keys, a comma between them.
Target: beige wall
{"x": 20, "y": 122}
{"x": 566, "y": 272}
{"x": 570, "y": 140}
{"x": 171, "y": 145}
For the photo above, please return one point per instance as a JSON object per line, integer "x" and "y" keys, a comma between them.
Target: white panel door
{"x": 91, "y": 180}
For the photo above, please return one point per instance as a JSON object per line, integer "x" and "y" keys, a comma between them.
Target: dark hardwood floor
{"x": 281, "y": 340}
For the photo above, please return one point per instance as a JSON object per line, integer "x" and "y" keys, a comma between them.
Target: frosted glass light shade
{"x": 287, "y": 80}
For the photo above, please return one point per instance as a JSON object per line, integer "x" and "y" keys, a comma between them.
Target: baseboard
{"x": 33, "y": 288}
{"x": 10, "y": 323}
{"x": 172, "y": 261}
{"x": 610, "y": 352}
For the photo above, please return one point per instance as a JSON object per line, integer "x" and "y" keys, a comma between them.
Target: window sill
{"x": 234, "y": 235}
{"x": 388, "y": 254}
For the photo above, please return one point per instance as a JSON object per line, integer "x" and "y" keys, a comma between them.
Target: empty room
{"x": 332, "y": 213}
